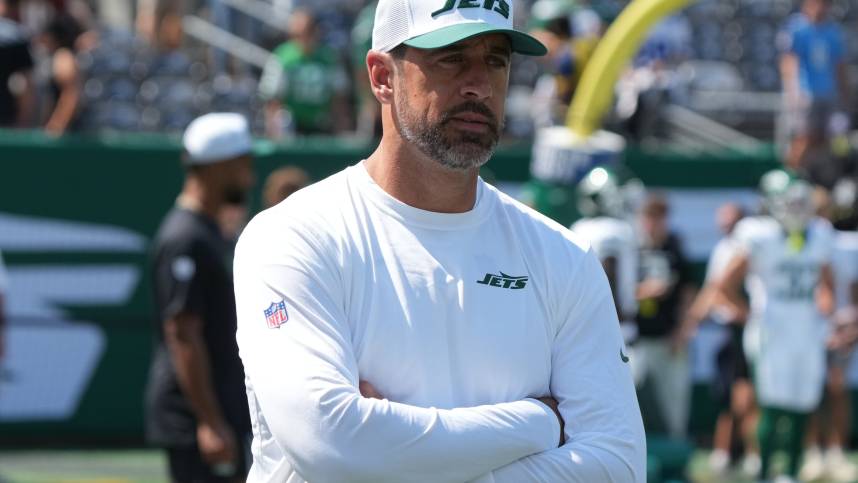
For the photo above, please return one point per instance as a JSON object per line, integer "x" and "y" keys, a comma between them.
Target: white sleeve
{"x": 605, "y": 439}
{"x": 305, "y": 378}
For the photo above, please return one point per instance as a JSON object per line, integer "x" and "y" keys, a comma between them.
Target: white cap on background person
{"x": 434, "y": 24}
{"x": 216, "y": 137}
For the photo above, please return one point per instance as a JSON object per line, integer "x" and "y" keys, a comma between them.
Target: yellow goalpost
{"x": 622, "y": 40}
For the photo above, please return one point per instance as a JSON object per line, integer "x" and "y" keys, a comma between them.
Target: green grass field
{"x": 147, "y": 466}
{"x": 101, "y": 466}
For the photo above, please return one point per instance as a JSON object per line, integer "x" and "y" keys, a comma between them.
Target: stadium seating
{"x": 130, "y": 87}
{"x": 744, "y": 32}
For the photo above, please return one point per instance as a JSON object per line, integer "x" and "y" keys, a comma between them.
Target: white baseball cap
{"x": 216, "y": 137}
{"x": 432, "y": 24}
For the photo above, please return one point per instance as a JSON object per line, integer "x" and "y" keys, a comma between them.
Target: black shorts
{"x": 732, "y": 366}
{"x": 186, "y": 465}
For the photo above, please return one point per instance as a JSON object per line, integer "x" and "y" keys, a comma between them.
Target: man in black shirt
{"x": 16, "y": 66}
{"x": 195, "y": 399}
{"x": 663, "y": 294}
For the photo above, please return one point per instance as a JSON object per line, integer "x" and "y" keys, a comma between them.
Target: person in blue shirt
{"x": 813, "y": 73}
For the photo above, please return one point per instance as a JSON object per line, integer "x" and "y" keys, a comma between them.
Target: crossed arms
{"x": 305, "y": 378}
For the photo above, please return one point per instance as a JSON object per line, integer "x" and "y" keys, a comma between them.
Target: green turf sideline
{"x": 74, "y": 466}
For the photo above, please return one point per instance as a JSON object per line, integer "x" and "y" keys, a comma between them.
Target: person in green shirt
{"x": 304, "y": 84}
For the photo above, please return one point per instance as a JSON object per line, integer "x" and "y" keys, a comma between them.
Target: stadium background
{"x": 77, "y": 212}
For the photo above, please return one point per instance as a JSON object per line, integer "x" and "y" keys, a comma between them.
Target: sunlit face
{"x": 449, "y": 102}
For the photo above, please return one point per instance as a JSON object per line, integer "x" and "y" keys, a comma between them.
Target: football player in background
{"x": 786, "y": 259}
{"x": 828, "y": 430}
{"x": 732, "y": 386}
{"x": 604, "y": 204}
{"x": 664, "y": 292}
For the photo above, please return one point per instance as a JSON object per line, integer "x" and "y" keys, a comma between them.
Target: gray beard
{"x": 468, "y": 152}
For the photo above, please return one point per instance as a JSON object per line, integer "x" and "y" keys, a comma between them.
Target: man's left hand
{"x": 555, "y": 406}
{"x": 368, "y": 391}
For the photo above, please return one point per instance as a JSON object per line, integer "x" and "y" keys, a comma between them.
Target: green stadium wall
{"x": 78, "y": 214}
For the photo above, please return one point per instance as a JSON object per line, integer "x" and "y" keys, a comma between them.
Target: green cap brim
{"x": 521, "y": 43}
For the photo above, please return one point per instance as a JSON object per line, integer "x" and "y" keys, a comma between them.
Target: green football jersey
{"x": 309, "y": 85}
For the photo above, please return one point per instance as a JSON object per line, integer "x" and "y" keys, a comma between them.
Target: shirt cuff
{"x": 552, "y": 427}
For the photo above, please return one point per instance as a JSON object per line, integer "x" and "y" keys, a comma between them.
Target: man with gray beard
{"x": 403, "y": 320}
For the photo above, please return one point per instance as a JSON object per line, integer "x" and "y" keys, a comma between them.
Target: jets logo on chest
{"x": 503, "y": 280}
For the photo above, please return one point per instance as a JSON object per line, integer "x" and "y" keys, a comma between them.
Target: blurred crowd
{"x": 291, "y": 67}
{"x": 296, "y": 68}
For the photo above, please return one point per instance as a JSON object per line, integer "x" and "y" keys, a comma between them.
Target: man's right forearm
{"x": 190, "y": 360}
{"x": 342, "y": 436}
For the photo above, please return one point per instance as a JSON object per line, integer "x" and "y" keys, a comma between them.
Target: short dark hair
{"x": 398, "y": 52}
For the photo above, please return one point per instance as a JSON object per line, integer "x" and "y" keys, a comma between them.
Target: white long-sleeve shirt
{"x": 457, "y": 319}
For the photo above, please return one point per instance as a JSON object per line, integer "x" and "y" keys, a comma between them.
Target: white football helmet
{"x": 788, "y": 199}
{"x": 600, "y": 193}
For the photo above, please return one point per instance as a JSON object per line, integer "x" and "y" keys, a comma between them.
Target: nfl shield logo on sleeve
{"x": 276, "y": 314}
